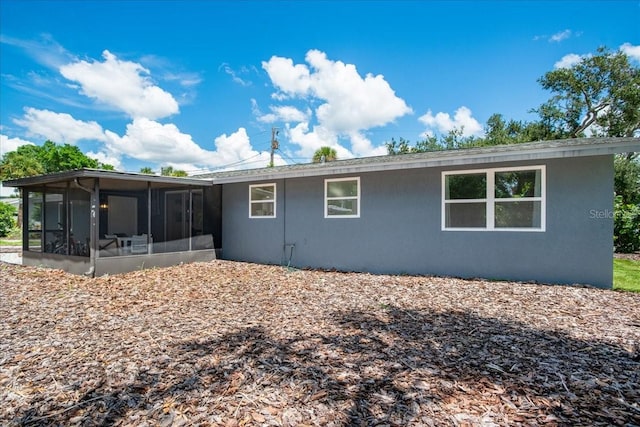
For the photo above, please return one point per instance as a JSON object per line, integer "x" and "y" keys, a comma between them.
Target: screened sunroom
{"x": 99, "y": 222}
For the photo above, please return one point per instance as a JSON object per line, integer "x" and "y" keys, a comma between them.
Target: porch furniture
{"x": 124, "y": 243}
{"x": 138, "y": 244}
{"x": 112, "y": 239}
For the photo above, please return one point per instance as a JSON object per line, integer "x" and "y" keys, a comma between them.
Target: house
{"x": 98, "y": 222}
{"x": 528, "y": 212}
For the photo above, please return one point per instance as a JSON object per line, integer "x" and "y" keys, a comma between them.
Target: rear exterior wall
{"x": 399, "y": 230}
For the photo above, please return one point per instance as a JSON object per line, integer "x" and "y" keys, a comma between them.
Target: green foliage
{"x": 327, "y": 153}
{"x": 169, "y": 171}
{"x": 627, "y": 178}
{"x": 57, "y": 158}
{"x": 626, "y": 233}
{"x": 147, "y": 171}
{"x": 451, "y": 141}
{"x": 601, "y": 90}
{"x": 21, "y": 163}
{"x": 7, "y": 218}
{"x": 626, "y": 226}
{"x": 29, "y": 160}
{"x": 401, "y": 146}
{"x": 500, "y": 132}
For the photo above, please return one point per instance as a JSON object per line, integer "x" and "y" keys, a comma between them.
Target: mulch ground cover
{"x": 235, "y": 344}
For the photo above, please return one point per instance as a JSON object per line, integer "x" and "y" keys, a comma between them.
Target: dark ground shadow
{"x": 396, "y": 367}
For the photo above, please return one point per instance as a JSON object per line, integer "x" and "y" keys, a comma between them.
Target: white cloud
{"x": 234, "y": 151}
{"x": 11, "y": 144}
{"x": 45, "y": 51}
{"x": 152, "y": 141}
{"x": 353, "y": 103}
{"x": 293, "y": 80}
{"x": 560, "y": 36}
{"x": 105, "y": 158}
{"x": 59, "y": 127}
{"x": 350, "y": 103}
{"x": 443, "y": 123}
{"x": 235, "y": 75}
{"x": 362, "y": 144}
{"x": 123, "y": 85}
{"x": 169, "y": 71}
{"x": 6, "y": 145}
{"x": 165, "y": 144}
{"x": 310, "y": 141}
{"x": 568, "y": 61}
{"x": 631, "y": 51}
{"x": 285, "y": 113}
{"x": 184, "y": 79}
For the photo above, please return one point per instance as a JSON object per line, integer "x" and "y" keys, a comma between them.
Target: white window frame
{"x": 251, "y": 202}
{"x": 490, "y": 200}
{"x": 327, "y": 198}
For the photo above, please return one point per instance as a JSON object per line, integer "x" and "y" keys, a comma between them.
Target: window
{"x": 262, "y": 201}
{"x": 494, "y": 199}
{"x": 342, "y": 198}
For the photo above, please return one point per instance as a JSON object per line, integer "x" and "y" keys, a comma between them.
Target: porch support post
{"x": 149, "y": 237}
{"x": 94, "y": 226}
{"x": 43, "y": 221}
{"x": 67, "y": 218}
{"x": 190, "y": 210}
{"x": 24, "y": 195}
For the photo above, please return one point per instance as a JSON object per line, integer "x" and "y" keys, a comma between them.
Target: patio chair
{"x": 139, "y": 244}
{"x": 113, "y": 239}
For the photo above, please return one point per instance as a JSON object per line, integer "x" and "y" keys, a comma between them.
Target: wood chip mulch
{"x": 235, "y": 344}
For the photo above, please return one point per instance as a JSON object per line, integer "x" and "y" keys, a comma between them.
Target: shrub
{"x": 7, "y": 218}
{"x": 626, "y": 228}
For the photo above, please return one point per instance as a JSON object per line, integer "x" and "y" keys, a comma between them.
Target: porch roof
{"x": 500, "y": 153}
{"x": 106, "y": 174}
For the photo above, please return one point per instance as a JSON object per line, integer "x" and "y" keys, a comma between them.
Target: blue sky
{"x": 198, "y": 85}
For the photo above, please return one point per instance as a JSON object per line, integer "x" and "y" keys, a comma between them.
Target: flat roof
{"x": 105, "y": 174}
{"x": 578, "y": 147}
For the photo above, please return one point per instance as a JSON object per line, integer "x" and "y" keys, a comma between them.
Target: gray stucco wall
{"x": 399, "y": 229}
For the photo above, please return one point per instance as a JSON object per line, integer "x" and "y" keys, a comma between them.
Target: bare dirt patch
{"x": 227, "y": 343}
{"x": 633, "y": 257}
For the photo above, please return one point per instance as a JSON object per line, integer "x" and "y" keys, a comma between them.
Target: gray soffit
{"x": 99, "y": 173}
{"x": 501, "y": 153}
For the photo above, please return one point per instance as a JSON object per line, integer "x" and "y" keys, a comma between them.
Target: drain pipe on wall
{"x": 285, "y": 246}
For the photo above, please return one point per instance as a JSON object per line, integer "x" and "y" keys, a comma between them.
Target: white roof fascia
{"x": 463, "y": 157}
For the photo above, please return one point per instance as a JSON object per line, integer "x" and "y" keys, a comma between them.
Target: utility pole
{"x": 274, "y": 144}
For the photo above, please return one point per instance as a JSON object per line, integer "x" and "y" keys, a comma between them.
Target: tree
{"x": 7, "y": 221}
{"x": 56, "y": 158}
{"x": 29, "y": 160}
{"x": 402, "y": 146}
{"x": 147, "y": 171}
{"x": 169, "y": 171}
{"x": 626, "y": 226}
{"x": 627, "y": 178}
{"x": 21, "y": 163}
{"x": 326, "y": 154}
{"x": 598, "y": 95}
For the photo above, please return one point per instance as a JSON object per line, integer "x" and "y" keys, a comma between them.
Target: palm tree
{"x": 324, "y": 154}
